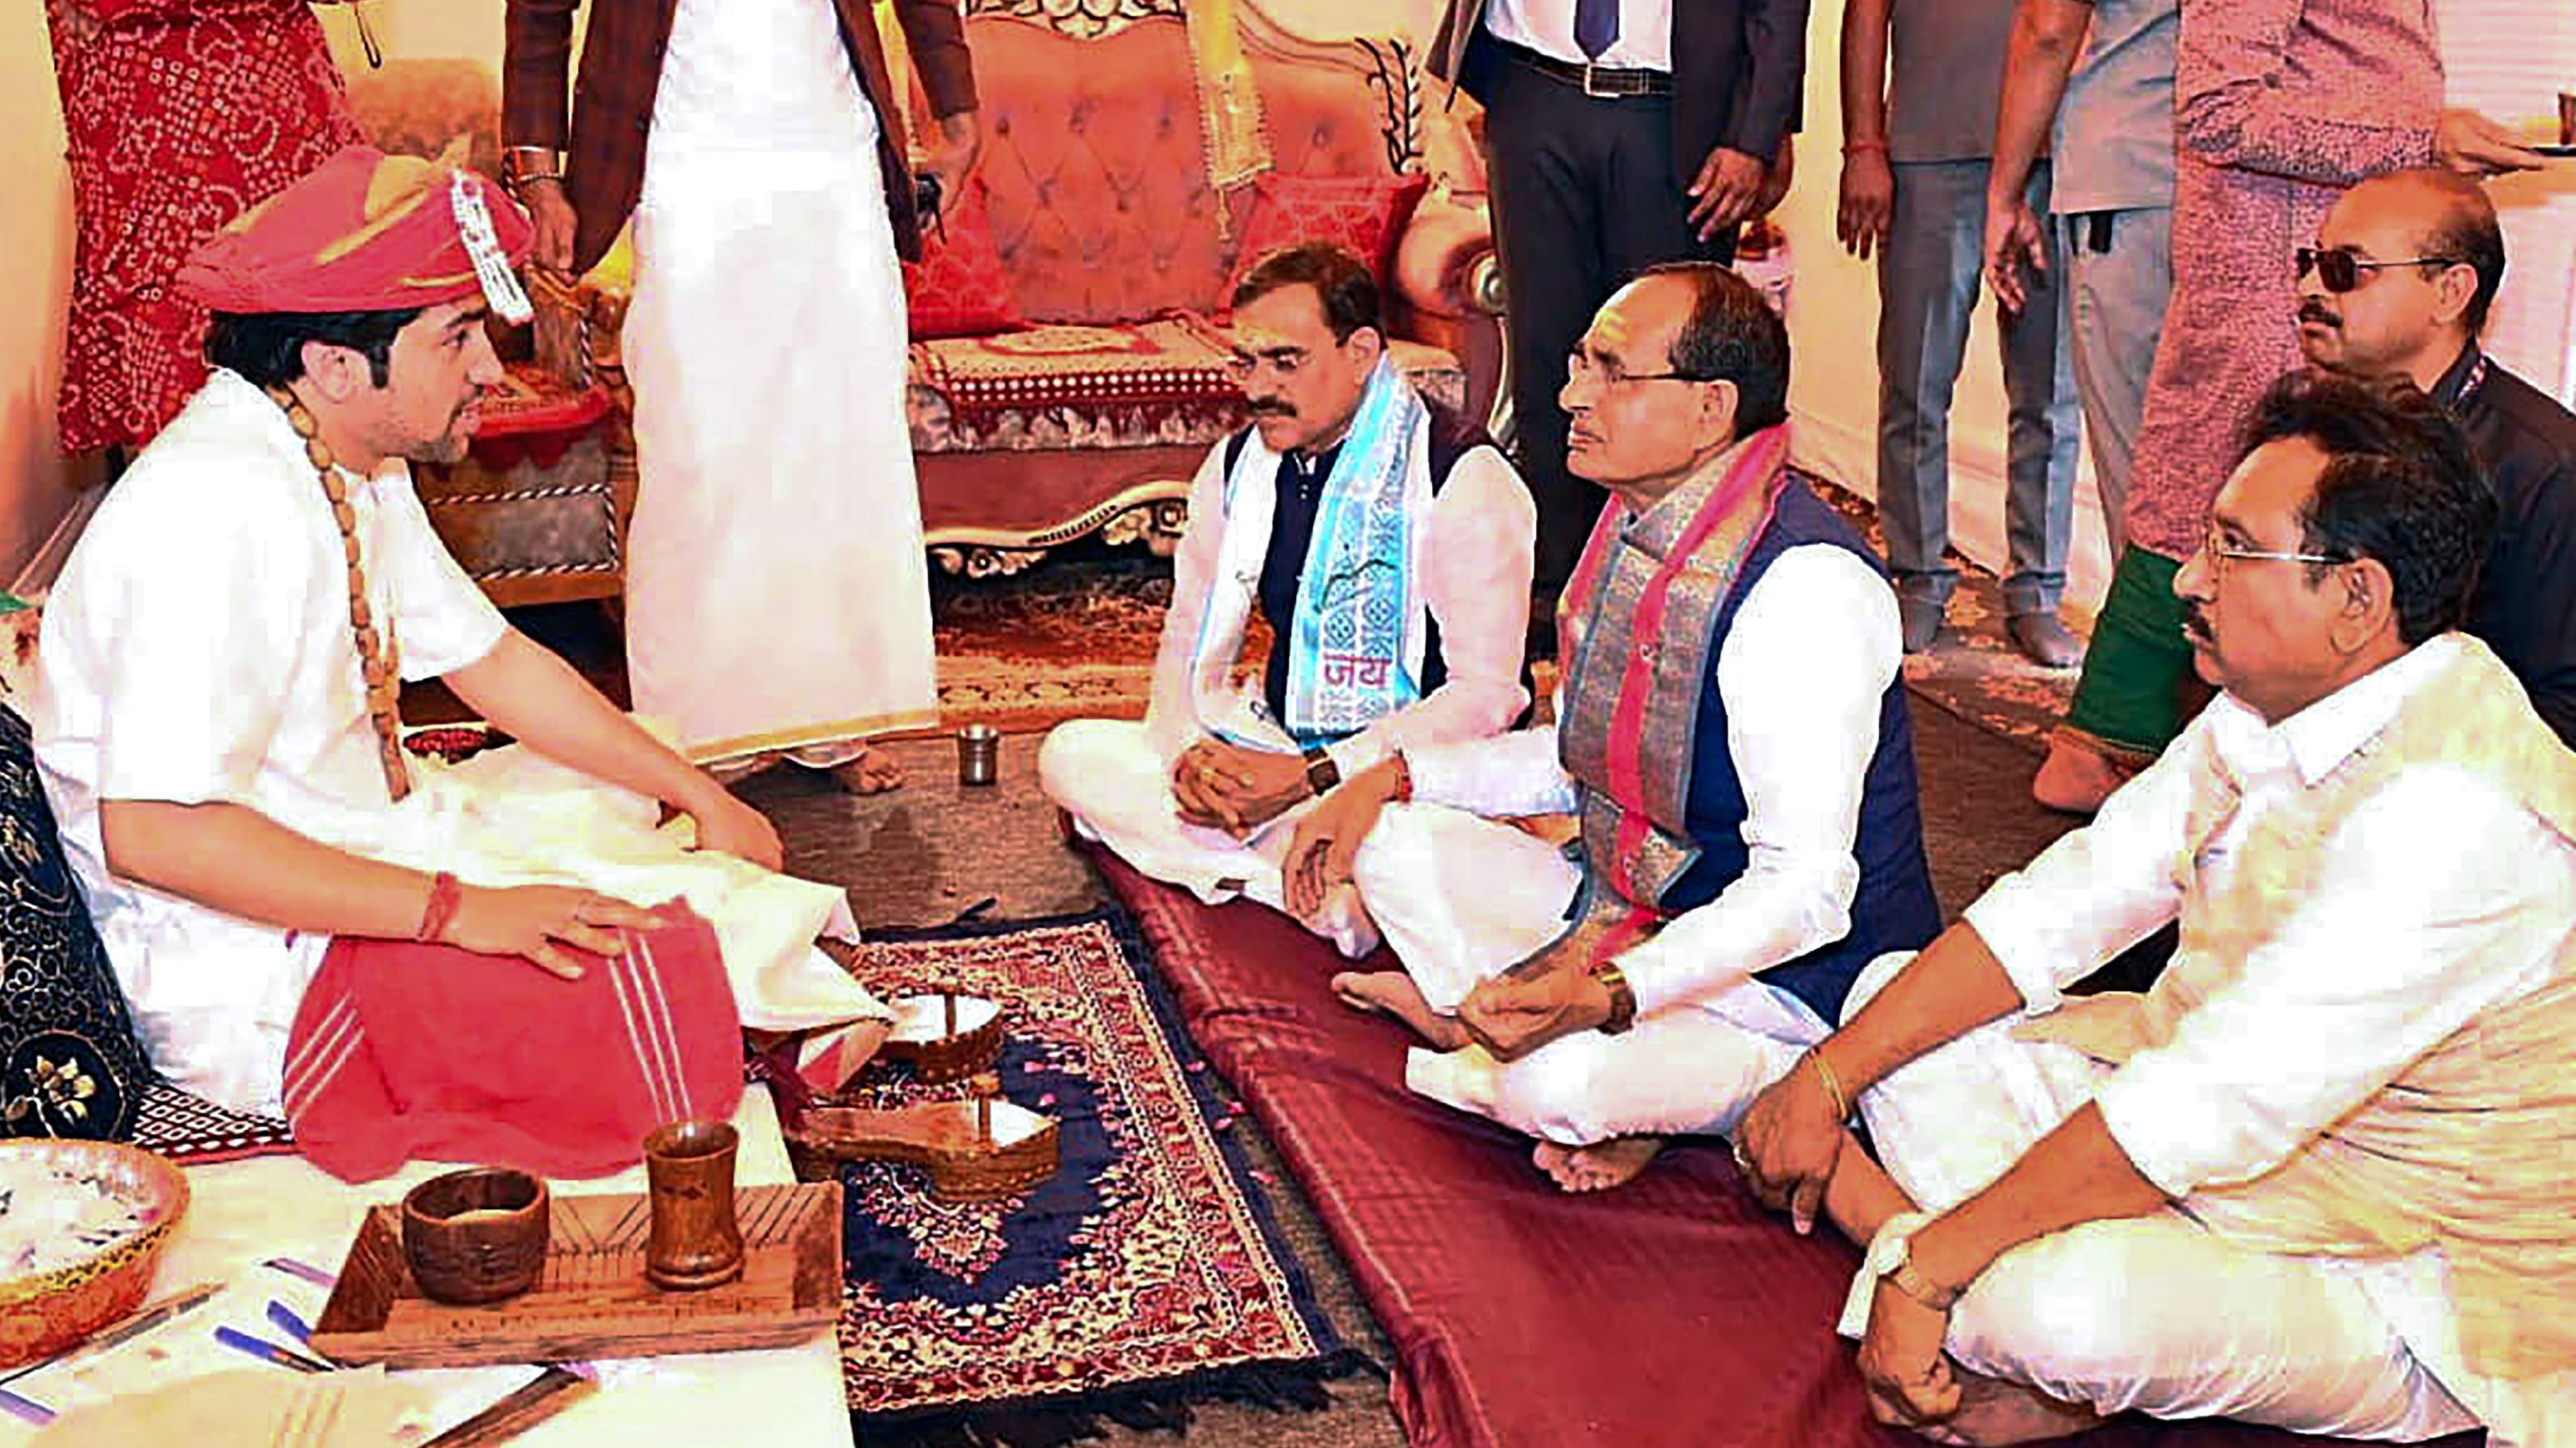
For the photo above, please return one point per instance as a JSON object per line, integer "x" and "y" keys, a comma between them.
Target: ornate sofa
{"x": 1117, "y": 246}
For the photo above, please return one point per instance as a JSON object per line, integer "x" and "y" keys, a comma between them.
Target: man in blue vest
{"x": 1731, "y": 734}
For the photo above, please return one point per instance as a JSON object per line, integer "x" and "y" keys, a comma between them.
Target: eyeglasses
{"x": 2215, "y": 547}
{"x": 1579, "y": 367}
{"x": 2340, "y": 271}
{"x": 1281, "y": 362}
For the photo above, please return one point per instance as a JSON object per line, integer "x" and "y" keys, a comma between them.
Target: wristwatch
{"x": 1321, "y": 772}
{"x": 1623, "y": 1000}
{"x": 1891, "y": 1257}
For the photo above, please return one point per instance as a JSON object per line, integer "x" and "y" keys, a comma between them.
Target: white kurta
{"x": 776, "y": 591}
{"x": 1470, "y": 573}
{"x": 2438, "y": 898}
{"x": 197, "y": 649}
{"x": 1803, "y": 669}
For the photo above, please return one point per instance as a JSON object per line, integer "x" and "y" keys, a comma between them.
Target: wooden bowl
{"x": 477, "y": 1236}
{"x": 42, "y": 1313}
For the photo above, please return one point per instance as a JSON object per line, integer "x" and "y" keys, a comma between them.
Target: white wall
{"x": 1833, "y": 327}
{"x": 36, "y": 485}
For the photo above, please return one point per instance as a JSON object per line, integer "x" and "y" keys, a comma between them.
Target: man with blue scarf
{"x": 1386, "y": 544}
{"x": 1731, "y": 736}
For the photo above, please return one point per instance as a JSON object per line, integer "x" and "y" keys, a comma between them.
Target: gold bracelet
{"x": 1623, "y": 999}
{"x": 1833, "y": 1083}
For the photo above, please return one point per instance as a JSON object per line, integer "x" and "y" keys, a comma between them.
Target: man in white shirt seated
{"x": 1731, "y": 731}
{"x": 1384, "y": 541}
{"x": 218, "y": 732}
{"x": 2317, "y": 1177}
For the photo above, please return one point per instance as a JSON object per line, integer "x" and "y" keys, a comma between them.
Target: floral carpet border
{"x": 1149, "y": 1275}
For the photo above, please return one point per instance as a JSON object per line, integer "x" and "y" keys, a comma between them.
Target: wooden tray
{"x": 593, "y": 1301}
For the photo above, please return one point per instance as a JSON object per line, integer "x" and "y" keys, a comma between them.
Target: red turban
{"x": 367, "y": 232}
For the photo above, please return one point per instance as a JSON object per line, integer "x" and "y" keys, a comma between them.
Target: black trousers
{"x": 1583, "y": 198}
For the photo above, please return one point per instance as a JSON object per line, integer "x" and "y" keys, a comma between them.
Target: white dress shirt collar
{"x": 2320, "y": 737}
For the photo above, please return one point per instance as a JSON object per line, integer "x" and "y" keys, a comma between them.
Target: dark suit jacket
{"x": 1739, "y": 67}
{"x": 621, "y": 67}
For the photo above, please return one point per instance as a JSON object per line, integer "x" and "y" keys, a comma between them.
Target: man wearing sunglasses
{"x": 1386, "y": 544}
{"x": 1731, "y": 735}
{"x": 2398, "y": 285}
{"x": 2317, "y": 1176}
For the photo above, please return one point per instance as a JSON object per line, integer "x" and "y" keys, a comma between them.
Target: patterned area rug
{"x": 1146, "y": 1274}
{"x": 1074, "y": 637}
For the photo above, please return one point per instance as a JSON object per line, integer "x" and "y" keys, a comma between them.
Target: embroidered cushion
{"x": 69, "y": 1061}
{"x": 958, "y": 288}
{"x": 1363, "y": 215}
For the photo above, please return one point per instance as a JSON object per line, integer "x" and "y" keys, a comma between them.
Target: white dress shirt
{"x": 1547, "y": 26}
{"x": 2439, "y": 897}
{"x": 1802, "y": 670}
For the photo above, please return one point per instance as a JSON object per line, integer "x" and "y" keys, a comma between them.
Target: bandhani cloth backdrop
{"x": 1147, "y": 1273}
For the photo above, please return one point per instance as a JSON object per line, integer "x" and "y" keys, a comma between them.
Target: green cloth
{"x": 2137, "y": 666}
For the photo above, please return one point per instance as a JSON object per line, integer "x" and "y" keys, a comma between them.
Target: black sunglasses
{"x": 2340, "y": 271}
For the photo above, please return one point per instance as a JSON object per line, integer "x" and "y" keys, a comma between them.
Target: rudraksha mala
{"x": 379, "y": 659}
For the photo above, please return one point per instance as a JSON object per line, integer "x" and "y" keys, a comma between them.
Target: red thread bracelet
{"x": 445, "y": 894}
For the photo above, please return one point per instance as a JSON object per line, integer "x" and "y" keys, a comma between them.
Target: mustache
{"x": 1269, "y": 407}
{"x": 2319, "y": 313}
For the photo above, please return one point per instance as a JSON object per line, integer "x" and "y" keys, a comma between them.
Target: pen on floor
{"x": 268, "y": 1352}
{"x": 142, "y": 1320}
{"x": 283, "y": 1318}
{"x": 305, "y": 1270}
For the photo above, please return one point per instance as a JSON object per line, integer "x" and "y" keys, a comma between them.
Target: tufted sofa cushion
{"x": 1098, "y": 184}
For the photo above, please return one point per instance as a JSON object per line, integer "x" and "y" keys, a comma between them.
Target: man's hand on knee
{"x": 1545, "y": 998}
{"x": 1325, "y": 848}
{"x": 1791, "y": 1138}
{"x": 537, "y": 921}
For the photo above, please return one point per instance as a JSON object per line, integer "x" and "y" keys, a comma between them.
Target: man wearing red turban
{"x": 407, "y": 959}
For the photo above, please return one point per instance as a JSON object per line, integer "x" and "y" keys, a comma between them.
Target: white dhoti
{"x": 1107, "y": 774}
{"x": 513, "y": 817}
{"x": 1461, "y": 899}
{"x": 2156, "y": 1314}
{"x": 776, "y": 592}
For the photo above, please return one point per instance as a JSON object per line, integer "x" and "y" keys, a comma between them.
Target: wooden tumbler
{"x": 695, "y": 1242}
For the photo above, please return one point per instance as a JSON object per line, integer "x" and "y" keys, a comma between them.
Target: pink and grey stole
{"x": 1637, "y": 626}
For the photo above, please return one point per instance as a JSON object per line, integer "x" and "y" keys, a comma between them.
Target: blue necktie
{"x": 1596, "y": 25}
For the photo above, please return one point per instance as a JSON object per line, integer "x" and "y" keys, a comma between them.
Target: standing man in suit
{"x": 759, "y": 146}
{"x": 1620, "y": 133}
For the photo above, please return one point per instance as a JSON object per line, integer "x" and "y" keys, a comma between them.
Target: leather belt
{"x": 1598, "y": 81}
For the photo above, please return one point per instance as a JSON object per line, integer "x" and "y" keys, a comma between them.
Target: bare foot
{"x": 2075, "y": 779}
{"x": 873, "y": 772}
{"x": 1393, "y": 993}
{"x": 1600, "y": 1166}
{"x": 1992, "y": 1411}
{"x": 730, "y": 772}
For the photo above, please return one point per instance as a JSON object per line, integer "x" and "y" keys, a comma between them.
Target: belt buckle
{"x": 1594, "y": 91}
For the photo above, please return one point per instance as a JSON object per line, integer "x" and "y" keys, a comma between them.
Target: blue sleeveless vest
{"x": 1894, "y": 908}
